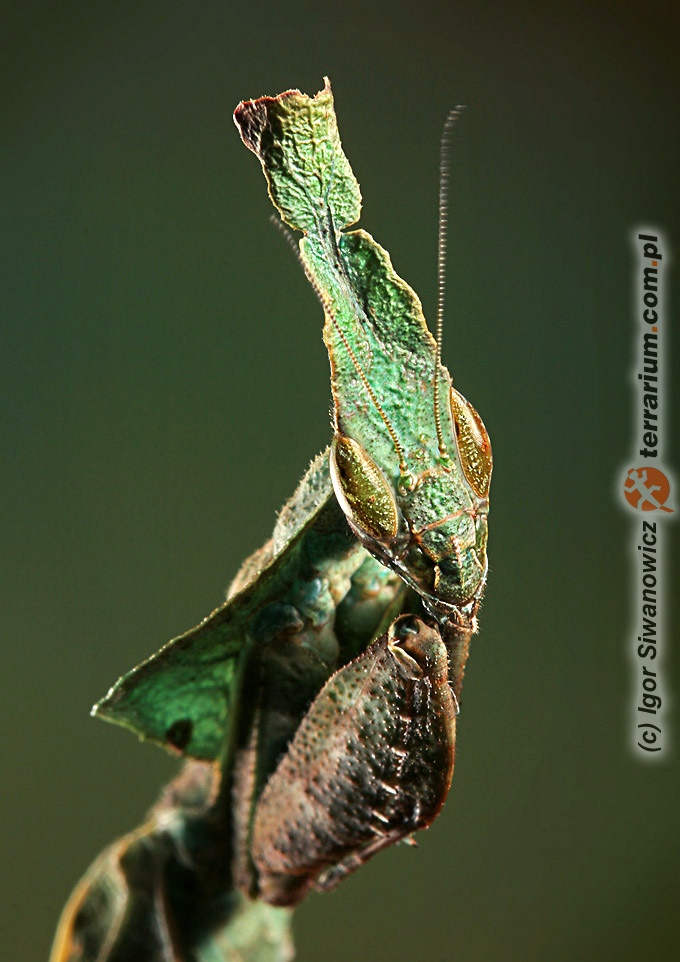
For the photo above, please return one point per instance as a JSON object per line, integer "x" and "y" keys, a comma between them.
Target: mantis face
{"x": 430, "y": 523}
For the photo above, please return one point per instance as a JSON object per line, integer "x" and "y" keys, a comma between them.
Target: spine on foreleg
{"x": 371, "y": 763}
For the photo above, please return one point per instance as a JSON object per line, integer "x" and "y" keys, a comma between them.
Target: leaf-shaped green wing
{"x": 183, "y": 695}
{"x": 180, "y": 697}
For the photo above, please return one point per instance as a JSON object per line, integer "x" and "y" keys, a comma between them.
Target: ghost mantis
{"x": 316, "y": 708}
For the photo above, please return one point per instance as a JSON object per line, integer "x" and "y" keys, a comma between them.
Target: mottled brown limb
{"x": 371, "y": 763}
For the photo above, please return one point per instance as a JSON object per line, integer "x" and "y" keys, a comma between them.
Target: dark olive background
{"x": 164, "y": 384}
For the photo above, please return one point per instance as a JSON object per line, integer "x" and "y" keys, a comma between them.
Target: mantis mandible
{"x": 316, "y": 708}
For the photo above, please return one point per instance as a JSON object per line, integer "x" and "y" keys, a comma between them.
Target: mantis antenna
{"x": 444, "y": 167}
{"x": 328, "y": 308}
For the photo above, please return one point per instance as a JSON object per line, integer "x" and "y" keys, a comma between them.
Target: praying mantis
{"x": 316, "y": 708}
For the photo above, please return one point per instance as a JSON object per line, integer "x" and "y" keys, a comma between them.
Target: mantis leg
{"x": 370, "y": 764}
{"x": 160, "y": 893}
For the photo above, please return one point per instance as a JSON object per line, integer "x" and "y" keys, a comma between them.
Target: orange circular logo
{"x": 647, "y": 489}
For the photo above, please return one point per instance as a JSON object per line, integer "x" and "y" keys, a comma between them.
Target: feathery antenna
{"x": 444, "y": 167}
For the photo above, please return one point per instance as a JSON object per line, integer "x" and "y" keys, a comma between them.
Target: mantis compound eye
{"x": 474, "y": 446}
{"x": 362, "y": 489}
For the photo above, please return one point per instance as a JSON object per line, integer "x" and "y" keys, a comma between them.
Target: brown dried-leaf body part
{"x": 371, "y": 763}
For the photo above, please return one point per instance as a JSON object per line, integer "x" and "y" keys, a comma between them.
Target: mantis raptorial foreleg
{"x": 370, "y": 763}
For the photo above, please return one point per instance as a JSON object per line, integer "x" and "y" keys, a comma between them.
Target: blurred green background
{"x": 164, "y": 384}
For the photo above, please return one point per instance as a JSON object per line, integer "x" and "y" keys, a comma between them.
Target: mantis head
{"x": 426, "y": 517}
{"x": 411, "y": 458}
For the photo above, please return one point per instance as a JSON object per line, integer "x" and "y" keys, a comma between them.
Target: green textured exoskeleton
{"x": 317, "y": 706}
{"x": 412, "y": 476}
